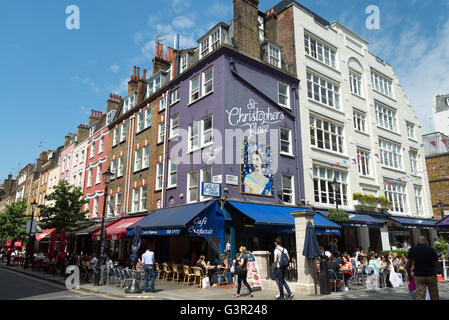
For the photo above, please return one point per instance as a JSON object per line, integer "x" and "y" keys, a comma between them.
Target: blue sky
{"x": 52, "y": 77}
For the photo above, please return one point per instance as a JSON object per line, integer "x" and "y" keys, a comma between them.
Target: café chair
{"x": 198, "y": 276}
{"x": 167, "y": 271}
{"x": 187, "y": 274}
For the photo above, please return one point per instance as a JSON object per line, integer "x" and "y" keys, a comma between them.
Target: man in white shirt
{"x": 281, "y": 272}
{"x": 148, "y": 266}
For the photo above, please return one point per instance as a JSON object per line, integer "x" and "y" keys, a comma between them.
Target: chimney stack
{"x": 132, "y": 84}
{"x": 113, "y": 102}
{"x": 270, "y": 27}
{"x": 246, "y": 26}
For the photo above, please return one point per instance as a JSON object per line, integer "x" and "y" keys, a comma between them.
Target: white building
{"x": 357, "y": 127}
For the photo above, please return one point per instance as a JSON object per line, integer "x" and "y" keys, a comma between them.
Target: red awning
{"x": 44, "y": 234}
{"x": 117, "y": 229}
{"x": 17, "y": 244}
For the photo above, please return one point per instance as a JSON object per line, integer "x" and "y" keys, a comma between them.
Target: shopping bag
{"x": 205, "y": 283}
{"x": 394, "y": 279}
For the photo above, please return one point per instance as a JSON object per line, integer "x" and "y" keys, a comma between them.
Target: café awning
{"x": 357, "y": 220}
{"x": 410, "y": 223}
{"x": 280, "y": 219}
{"x": 42, "y": 235}
{"x": 89, "y": 230}
{"x": 117, "y": 230}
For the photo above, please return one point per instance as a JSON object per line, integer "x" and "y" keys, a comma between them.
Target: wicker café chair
{"x": 159, "y": 271}
{"x": 198, "y": 274}
{"x": 167, "y": 271}
{"x": 176, "y": 272}
{"x": 187, "y": 274}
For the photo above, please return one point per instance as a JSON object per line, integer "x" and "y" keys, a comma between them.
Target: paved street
{"x": 15, "y": 285}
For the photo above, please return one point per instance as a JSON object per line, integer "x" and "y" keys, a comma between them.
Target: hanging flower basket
{"x": 338, "y": 215}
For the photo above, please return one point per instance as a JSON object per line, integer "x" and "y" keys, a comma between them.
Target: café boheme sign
{"x": 253, "y": 119}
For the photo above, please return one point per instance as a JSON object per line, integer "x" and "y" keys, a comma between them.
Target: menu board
{"x": 253, "y": 275}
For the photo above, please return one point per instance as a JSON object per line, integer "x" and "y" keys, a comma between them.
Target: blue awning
{"x": 279, "y": 218}
{"x": 199, "y": 219}
{"x": 410, "y": 223}
{"x": 358, "y": 220}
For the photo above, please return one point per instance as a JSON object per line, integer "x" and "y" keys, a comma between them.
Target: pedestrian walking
{"x": 334, "y": 248}
{"x": 242, "y": 271}
{"x": 148, "y": 266}
{"x": 424, "y": 260}
{"x": 281, "y": 262}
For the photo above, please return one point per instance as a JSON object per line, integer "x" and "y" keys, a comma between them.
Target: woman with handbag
{"x": 241, "y": 272}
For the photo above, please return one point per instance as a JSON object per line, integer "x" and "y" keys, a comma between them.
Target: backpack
{"x": 283, "y": 262}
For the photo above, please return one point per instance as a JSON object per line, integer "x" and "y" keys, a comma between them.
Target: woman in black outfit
{"x": 243, "y": 260}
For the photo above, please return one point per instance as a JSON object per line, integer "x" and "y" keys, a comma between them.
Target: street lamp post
{"x": 335, "y": 185}
{"x": 107, "y": 178}
{"x": 440, "y": 206}
{"x": 30, "y": 251}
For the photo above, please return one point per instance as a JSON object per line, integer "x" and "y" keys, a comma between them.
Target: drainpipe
{"x": 164, "y": 156}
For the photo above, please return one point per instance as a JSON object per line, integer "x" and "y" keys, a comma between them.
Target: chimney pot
{"x": 138, "y": 72}
{"x": 161, "y": 52}
{"x": 144, "y": 74}
{"x": 272, "y": 10}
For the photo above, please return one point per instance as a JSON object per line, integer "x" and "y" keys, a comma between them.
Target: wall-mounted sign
{"x": 232, "y": 180}
{"x": 162, "y": 232}
{"x": 257, "y": 169}
{"x": 210, "y": 189}
{"x": 217, "y": 179}
{"x": 446, "y": 212}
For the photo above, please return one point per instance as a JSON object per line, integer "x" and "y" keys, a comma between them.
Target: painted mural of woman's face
{"x": 257, "y": 161}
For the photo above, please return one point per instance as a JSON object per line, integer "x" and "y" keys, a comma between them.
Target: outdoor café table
{"x": 210, "y": 271}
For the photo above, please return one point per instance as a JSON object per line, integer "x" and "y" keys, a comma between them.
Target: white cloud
{"x": 219, "y": 9}
{"x": 114, "y": 68}
{"x": 91, "y": 84}
{"x": 179, "y": 6}
{"x": 181, "y": 22}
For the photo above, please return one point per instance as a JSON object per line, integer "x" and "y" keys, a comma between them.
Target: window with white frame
{"x": 326, "y": 135}
{"x": 288, "y": 189}
{"x": 115, "y": 137}
{"x": 174, "y": 96}
{"x": 382, "y": 84}
{"x": 386, "y": 117}
{"x": 161, "y": 132}
{"x": 162, "y": 104}
{"x": 363, "y": 161}
{"x": 110, "y": 201}
{"x": 319, "y": 51}
{"x": 137, "y": 160}
{"x": 390, "y": 154}
{"x": 68, "y": 162}
{"x": 95, "y": 208}
{"x": 324, "y": 193}
{"x": 359, "y": 121}
{"x": 140, "y": 121}
{"x": 396, "y": 195}
{"x": 204, "y": 47}
{"x": 92, "y": 150}
{"x": 355, "y": 82}
{"x": 215, "y": 39}
{"x": 135, "y": 200}
{"x": 194, "y": 141}
{"x": 174, "y": 126}
{"x": 286, "y": 141}
{"x": 145, "y": 157}
{"x": 411, "y": 131}
{"x": 157, "y": 83}
{"x": 76, "y": 159}
{"x": 129, "y": 103}
{"x": 284, "y": 95}
{"x": 414, "y": 164}
{"x": 274, "y": 55}
{"x": 63, "y": 165}
{"x": 89, "y": 177}
{"x": 82, "y": 156}
{"x": 123, "y": 132}
{"x": 86, "y": 206}
{"x": 143, "y": 198}
{"x": 120, "y": 167}
{"x": 118, "y": 202}
{"x": 158, "y": 176}
{"x": 419, "y": 200}
{"x": 192, "y": 187}
{"x": 323, "y": 91}
{"x": 80, "y": 183}
{"x": 205, "y": 176}
{"x": 207, "y": 134}
{"x": 172, "y": 174}
{"x": 208, "y": 81}
{"x": 113, "y": 168}
{"x": 184, "y": 58}
{"x": 101, "y": 147}
{"x": 194, "y": 89}
{"x": 98, "y": 176}
{"x": 147, "y": 117}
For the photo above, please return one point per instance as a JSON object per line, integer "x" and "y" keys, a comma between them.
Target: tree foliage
{"x": 13, "y": 222}
{"x": 65, "y": 209}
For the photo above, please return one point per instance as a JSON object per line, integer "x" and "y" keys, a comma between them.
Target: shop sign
{"x": 217, "y": 179}
{"x": 253, "y": 275}
{"x": 210, "y": 189}
{"x": 446, "y": 212}
{"x": 162, "y": 232}
{"x": 208, "y": 224}
{"x": 232, "y": 180}
{"x": 326, "y": 231}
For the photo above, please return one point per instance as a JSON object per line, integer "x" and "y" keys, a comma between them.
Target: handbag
{"x": 205, "y": 283}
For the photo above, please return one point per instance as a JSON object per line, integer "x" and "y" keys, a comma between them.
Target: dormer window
{"x": 130, "y": 102}
{"x": 274, "y": 55}
{"x": 184, "y": 61}
{"x": 92, "y": 130}
{"x": 110, "y": 117}
{"x": 211, "y": 42}
{"x": 154, "y": 85}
